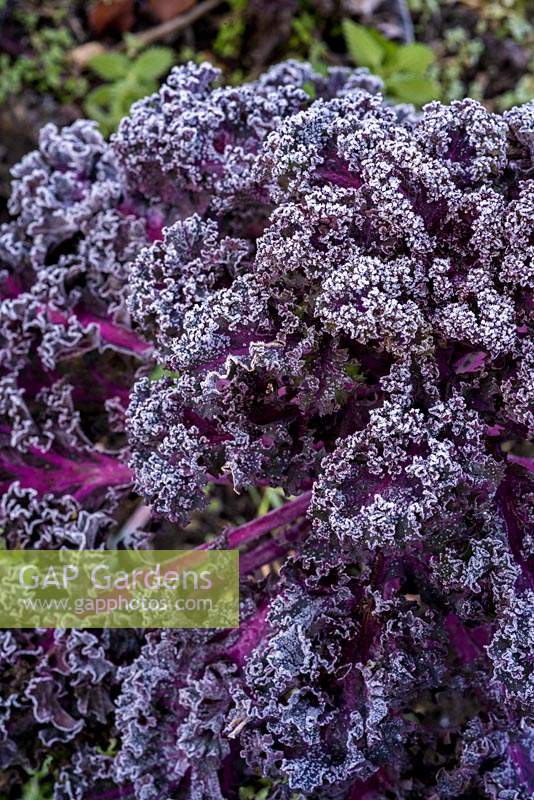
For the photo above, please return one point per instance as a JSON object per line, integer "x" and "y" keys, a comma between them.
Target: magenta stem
{"x": 271, "y": 549}
{"x": 274, "y": 519}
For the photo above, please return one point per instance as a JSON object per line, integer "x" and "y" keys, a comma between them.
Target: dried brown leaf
{"x": 168, "y": 9}
{"x": 105, "y": 14}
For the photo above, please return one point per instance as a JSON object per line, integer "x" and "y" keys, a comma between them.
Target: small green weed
{"x": 128, "y": 78}
{"x": 46, "y": 70}
{"x": 229, "y": 39}
{"x": 306, "y": 40}
{"x": 404, "y": 68}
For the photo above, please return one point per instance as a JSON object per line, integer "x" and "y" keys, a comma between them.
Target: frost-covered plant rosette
{"x": 340, "y": 294}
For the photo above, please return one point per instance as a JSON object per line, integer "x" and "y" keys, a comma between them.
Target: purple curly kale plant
{"x": 68, "y": 357}
{"x": 340, "y": 295}
{"x": 365, "y": 345}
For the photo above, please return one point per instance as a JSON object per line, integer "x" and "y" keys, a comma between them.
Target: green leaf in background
{"x": 97, "y": 106}
{"x": 415, "y": 58}
{"x": 160, "y": 371}
{"x": 364, "y": 49}
{"x": 108, "y": 104}
{"x": 310, "y": 89}
{"x": 127, "y": 80}
{"x": 389, "y": 48}
{"x": 402, "y": 67}
{"x": 123, "y": 95}
{"x": 110, "y": 66}
{"x": 316, "y": 55}
{"x": 252, "y": 793}
{"x": 152, "y": 63}
{"x": 39, "y": 784}
{"x": 413, "y": 89}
